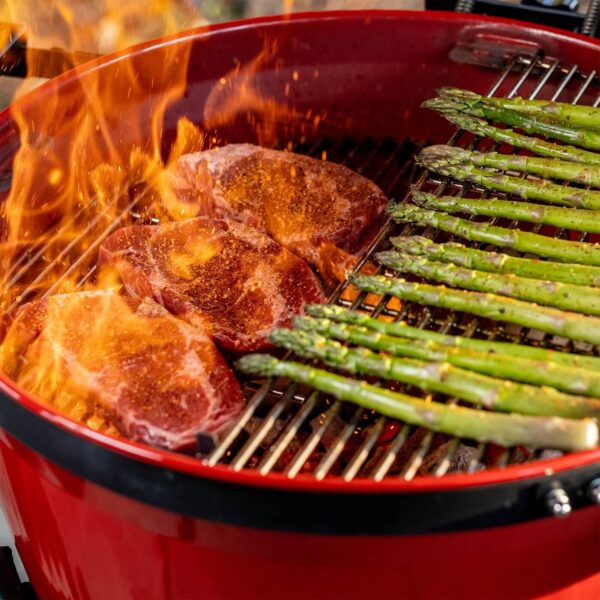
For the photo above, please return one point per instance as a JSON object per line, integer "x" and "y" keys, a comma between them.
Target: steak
{"x": 219, "y": 274}
{"x": 311, "y": 207}
{"x": 156, "y": 378}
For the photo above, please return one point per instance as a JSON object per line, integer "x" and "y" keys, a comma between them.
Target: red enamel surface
{"x": 81, "y": 541}
{"x": 78, "y": 540}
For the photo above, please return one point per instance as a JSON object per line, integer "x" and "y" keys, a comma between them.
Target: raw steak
{"x": 216, "y": 273}
{"x": 312, "y": 207}
{"x": 157, "y": 379}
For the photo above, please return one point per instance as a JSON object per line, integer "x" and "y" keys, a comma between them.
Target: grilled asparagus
{"x": 568, "y": 218}
{"x": 442, "y": 377}
{"x": 575, "y": 298}
{"x": 400, "y": 329}
{"x": 551, "y": 320}
{"x": 561, "y": 250}
{"x": 494, "y": 262}
{"x": 518, "y": 140}
{"x": 548, "y": 111}
{"x": 570, "y": 135}
{"x": 483, "y": 426}
{"x": 570, "y": 379}
{"x": 551, "y": 168}
{"x": 435, "y": 159}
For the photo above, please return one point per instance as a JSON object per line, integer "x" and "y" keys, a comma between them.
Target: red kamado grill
{"x": 305, "y": 496}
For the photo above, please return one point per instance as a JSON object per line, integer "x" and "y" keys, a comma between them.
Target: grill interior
{"x": 289, "y": 429}
{"x": 293, "y": 430}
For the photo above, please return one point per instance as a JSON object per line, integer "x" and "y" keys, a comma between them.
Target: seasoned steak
{"x": 311, "y": 207}
{"x": 155, "y": 378}
{"x": 220, "y": 274}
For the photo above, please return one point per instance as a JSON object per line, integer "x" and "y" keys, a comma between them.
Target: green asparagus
{"x": 480, "y": 425}
{"x": 441, "y": 377}
{"x": 434, "y": 158}
{"x": 518, "y": 140}
{"x": 544, "y": 167}
{"x": 574, "y": 298}
{"x": 567, "y": 218}
{"x": 548, "y": 111}
{"x": 570, "y": 135}
{"x": 493, "y": 262}
{"x": 570, "y": 325}
{"x": 491, "y": 347}
{"x": 561, "y": 250}
{"x": 567, "y": 378}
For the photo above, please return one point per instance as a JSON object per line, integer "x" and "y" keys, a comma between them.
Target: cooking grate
{"x": 291, "y": 430}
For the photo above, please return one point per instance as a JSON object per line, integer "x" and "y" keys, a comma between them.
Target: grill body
{"x": 97, "y": 517}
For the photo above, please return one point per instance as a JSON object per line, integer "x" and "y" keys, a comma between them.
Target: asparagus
{"x": 483, "y": 426}
{"x": 570, "y": 135}
{"x": 401, "y": 329}
{"x": 570, "y": 325}
{"x": 435, "y": 158}
{"x": 544, "y": 167}
{"x": 570, "y": 379}
{"x": 568, "y": 218}
{"x": 493, "y": 262}
{"x": 558, "y": 113}
{"x": 575, "y": 298}
{"x": 561, "y": 250}
{"x": 518, "y": 140}
{"x": 439, "y": 377}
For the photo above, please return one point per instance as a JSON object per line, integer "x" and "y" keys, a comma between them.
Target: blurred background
{"x": 103, "y": 26}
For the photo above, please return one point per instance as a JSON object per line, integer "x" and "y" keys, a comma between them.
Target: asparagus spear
{"x": 559, "y": 113}
{"x": 401, "y": 329}
{"x": 439, "y": 377}
{"x": 570, "y": 135}
{"x": 436, "y": 158}
{"x": 483, "y": 426}
{"x": 518, "y": 140}
{"x": 573, "y": 326}
{"x": 545, "y": 167}
{"x": 499, "y": 263}
{"x": 570, "y": 379}
{"x": 575, "y": 298}
{"x": 568, "y": 218}
{"x": 561, "y": 250}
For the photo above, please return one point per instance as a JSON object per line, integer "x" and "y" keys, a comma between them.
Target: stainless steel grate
{"x": 291, "y": 430}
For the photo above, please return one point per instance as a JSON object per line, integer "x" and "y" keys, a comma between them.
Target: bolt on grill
{"x": 289, "y": 429}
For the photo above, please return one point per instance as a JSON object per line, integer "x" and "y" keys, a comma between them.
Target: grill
{"x": 289, "y": 429}
{"x": 304, "y": 488}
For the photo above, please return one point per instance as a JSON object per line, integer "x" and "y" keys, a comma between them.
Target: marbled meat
{"x": 156, "y": 378}
{"x": 312, "y": 207}
{"x": 220, "y": 274}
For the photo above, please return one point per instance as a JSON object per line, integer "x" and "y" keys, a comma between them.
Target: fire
{"x": 94, "y": 158}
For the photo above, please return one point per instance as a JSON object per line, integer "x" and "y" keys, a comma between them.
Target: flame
{"x": 75, "y": 180}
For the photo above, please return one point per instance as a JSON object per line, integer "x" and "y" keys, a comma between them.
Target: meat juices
{"x": 156, "y": 378}
{"x": 309, "y": 206}
{"x": 219, "y": 274}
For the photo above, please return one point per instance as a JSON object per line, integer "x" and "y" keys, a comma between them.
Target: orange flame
{"x": 75, "y": 180}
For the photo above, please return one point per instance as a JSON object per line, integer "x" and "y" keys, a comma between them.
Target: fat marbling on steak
{"x": 156, "y": 378}
{"x": 312, "y": 207}
{"x": 223, "y": 275}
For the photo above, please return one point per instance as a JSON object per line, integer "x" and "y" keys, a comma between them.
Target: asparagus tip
{"x": 262, "y": 365}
